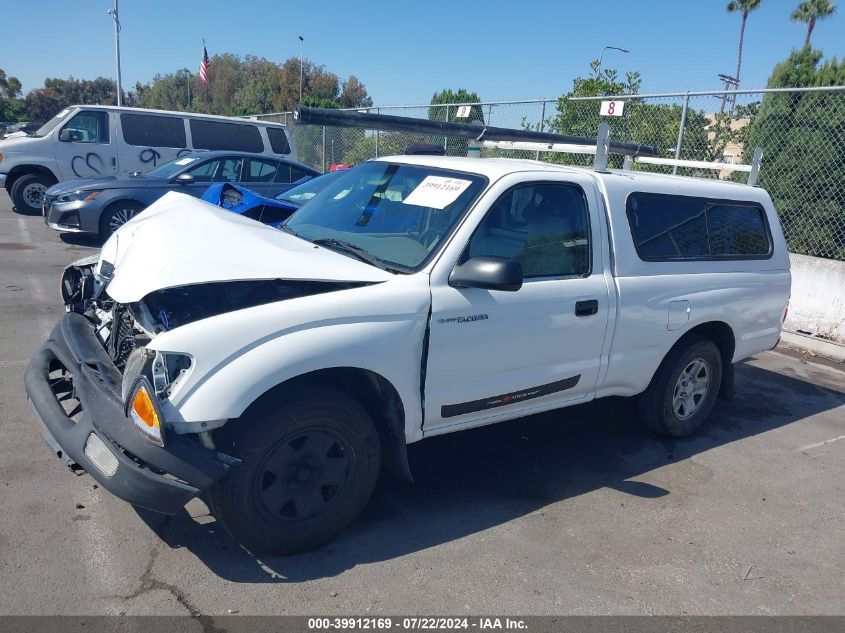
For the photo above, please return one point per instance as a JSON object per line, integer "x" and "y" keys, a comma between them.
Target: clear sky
{"x": 404, "y": 51}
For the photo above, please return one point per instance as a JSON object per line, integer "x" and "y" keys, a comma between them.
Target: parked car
{"x": 106, "y": 141}
{"x": 102, "y": 205}
{"x": 271, "y": 211}
{"x": 21, "y": 128}
{"x": 279, "y": 369}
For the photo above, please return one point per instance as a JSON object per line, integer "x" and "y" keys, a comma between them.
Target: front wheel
{"x": 116, "y": 215}
{"x": 308, "y": 467}
{"x": 684, "y": 388}
{"x": 28, "y": 192}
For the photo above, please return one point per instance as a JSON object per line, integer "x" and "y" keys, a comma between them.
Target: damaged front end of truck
{"x": 102, "y": 394}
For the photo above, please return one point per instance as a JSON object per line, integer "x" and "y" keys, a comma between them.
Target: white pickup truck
{"x": 279, "y": 370}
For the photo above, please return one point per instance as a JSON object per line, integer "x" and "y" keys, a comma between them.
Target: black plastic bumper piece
{"x": 162, "y": 479}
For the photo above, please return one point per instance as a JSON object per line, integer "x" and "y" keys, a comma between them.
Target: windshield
{"x": 166, "y": 170}
{"x": 45, "y": 129}
{"x": 396, "y": 214}
{"x": 301, "y": 194}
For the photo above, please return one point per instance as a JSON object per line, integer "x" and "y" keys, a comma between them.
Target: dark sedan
{"x": 102, "y": 205}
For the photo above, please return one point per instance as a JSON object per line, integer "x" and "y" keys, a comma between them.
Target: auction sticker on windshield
{"x": 437, "y": 192}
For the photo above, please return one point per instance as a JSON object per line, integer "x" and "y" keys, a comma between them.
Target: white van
{"x": 102, "y": 141}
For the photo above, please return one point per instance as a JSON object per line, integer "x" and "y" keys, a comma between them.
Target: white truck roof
{"x": 495, "y": 168}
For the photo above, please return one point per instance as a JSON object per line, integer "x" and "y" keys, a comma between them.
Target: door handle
{"x": 586, "y": 308}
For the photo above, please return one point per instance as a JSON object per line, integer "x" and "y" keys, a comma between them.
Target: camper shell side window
{"x": 668, "y": 227}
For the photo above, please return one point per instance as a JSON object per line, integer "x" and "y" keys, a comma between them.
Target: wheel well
{"x": 374, "y": 392}
{"x": 22, "y": 170}
{"x": 723, "y": 336}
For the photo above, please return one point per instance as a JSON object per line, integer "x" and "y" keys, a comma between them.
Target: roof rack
{"x": 507, "y": 138}
{"x": 753, "y": 170}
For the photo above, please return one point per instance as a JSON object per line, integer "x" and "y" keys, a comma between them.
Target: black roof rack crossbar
{"x": 475, "y": 131}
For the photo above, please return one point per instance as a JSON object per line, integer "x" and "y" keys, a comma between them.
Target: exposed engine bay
{"x": 123, "y": 328}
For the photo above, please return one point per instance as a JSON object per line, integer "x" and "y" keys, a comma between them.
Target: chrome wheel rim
{"x": 33, "y": 194}
{"x": 691, "y": 389}
{"x": 121, "y": 217}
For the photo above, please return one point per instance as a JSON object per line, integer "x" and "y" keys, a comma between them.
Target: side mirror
{"x": 490, "y": 273}
{"x": 65, "y": 136}
{"x": 185, "y": 179}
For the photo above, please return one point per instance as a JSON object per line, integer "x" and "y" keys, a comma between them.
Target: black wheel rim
{"x": 302, "y": 475}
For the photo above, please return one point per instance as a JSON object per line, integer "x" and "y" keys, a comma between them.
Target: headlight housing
{"x": 148, "y": 377}
{"x": 143, "y": 410}
{"x": 79, "y": 194}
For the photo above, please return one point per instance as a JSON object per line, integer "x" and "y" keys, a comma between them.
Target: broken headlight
{"x": 162, "y": 369}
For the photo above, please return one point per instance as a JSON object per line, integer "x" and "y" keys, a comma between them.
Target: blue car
{"x": 270, "y": 211}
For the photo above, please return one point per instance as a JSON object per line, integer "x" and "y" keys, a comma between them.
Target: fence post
{"x": 542, "y": 123}
{"x": 446, "y": 138}
{"x": 378, "y": 111}
{"x": 324, "y": 149}
{"x": 681, "y": 132}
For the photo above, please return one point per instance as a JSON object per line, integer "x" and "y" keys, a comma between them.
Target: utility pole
{"x": 301, "y": 46}
{"x": 114, "y": 14}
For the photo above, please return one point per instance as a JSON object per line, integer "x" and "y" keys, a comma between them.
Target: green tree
{"x": 802, "y": 136}
{"x": 810, "y": 11}
{"x": 42, "y": 104}
{"x": 243, "y": 86}
{"x": 10, "y": 87}
{"x": 12, "y": 107}
{"x": 444, "y": 107}
{"x": 743, "y": 7}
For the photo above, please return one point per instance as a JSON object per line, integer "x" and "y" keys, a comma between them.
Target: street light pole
{"x": 114, "y": 14}
{"x": 301, "y": 45}
{"x": 614, "y": 48}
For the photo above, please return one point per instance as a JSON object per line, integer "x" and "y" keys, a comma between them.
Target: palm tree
{"x": 811, "y": 10}
{"x": 745, "y": 7}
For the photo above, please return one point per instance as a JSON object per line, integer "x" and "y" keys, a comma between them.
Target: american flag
{"x": 205, "y": 65}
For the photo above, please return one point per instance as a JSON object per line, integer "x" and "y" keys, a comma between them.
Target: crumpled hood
{"x": 180, "y": 240}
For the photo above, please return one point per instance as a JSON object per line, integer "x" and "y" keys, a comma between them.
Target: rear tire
{"x": 684, "y": 388}
{"x": 27, "y": 192}
{"x": 116, "y": 215}
{"x": 309, "y": 463}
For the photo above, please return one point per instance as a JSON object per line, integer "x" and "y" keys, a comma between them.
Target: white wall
{"x": 817, "y": 305}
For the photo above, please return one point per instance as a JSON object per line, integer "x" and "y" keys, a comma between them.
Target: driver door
{"x": 496, "y": 354}
{"x": 84, "y": 146}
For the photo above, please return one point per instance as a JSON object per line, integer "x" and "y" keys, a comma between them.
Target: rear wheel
{"x": 309, "y": 466}
{"x": 684, "y": 389}
{"x": 116, "y": 215}
{"x": 28, "y": 192}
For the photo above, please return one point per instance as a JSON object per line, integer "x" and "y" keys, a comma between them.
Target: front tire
{"x": 309, "y": 463}
{"x": 27, "y": 192}
{"x": 116, "y": 215}
{"x": 684, "y": 388}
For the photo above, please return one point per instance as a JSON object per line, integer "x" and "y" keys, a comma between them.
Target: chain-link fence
{"x": 801, "y": 131}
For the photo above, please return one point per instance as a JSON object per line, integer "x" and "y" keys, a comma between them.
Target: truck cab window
{"x": 89, "y": 127}
{"x": 544, "y": 226}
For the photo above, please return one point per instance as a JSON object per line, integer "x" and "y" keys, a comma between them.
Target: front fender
{"x": 240, "y": 355}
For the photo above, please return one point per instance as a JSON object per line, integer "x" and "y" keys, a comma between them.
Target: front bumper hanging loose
{"x": 162, "y": 479}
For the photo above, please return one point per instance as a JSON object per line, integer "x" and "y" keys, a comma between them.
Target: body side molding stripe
{"x": 451, "y": 410}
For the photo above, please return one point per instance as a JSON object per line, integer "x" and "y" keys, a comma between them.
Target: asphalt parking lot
{"x": 572, "y": 512}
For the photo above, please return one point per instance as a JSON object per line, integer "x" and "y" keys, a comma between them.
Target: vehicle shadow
{"x": 81, "y": 239}
{"x": 470, "y": 481}
{"x": 23, "y": 212}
